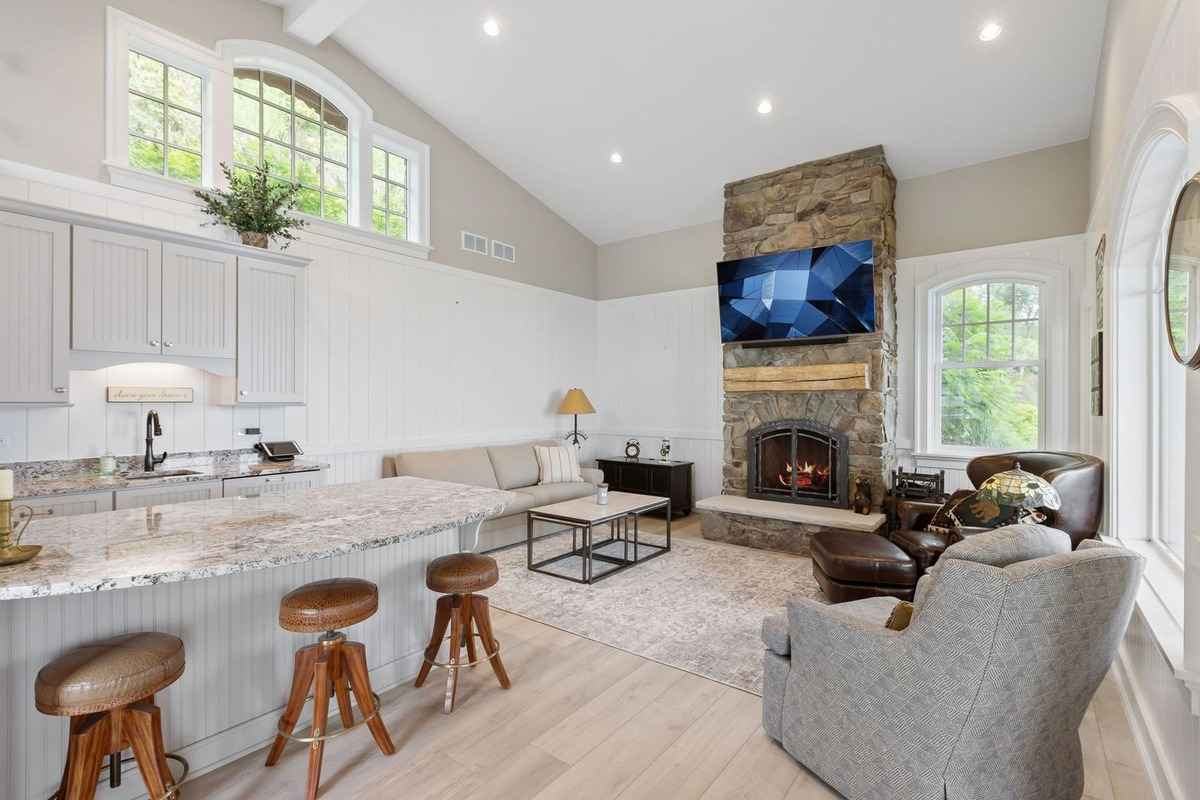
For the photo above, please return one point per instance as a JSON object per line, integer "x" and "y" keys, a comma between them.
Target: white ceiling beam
{"x": 314, "y": 21}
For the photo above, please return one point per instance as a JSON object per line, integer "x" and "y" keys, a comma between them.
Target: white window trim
{"x": 216, "y": 67}
{"x": 125, "y": 33}
{"x": 1054, "y": 375}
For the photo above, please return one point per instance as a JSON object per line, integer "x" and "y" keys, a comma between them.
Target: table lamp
{"x": 575, "y": 402}
{"x": 1016, "y": 488}
{"x": 11, "y": 549}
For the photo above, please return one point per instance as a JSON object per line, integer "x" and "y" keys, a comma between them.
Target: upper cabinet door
{"x": 199, "y": 302}
{"x": 272, "y": 332}
{"x": 35, "y": 268}
{"x": 116, "y": 292}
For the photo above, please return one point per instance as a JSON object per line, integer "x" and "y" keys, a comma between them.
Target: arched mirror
{"x": 1182, "y": 280}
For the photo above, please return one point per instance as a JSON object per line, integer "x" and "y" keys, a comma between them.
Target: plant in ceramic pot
{"x": 256, "y": 206}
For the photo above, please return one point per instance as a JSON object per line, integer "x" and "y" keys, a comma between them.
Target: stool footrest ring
{"x": 486, "y": 656}
{"x": 327, "y": 736}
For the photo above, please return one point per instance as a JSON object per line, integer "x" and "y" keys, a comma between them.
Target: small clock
{"x": 632, "y": 449}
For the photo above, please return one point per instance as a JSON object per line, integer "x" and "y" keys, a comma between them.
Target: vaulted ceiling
{"x": 673, "y": 85}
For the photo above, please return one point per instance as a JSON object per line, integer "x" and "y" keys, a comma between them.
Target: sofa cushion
{"x": 515, "y": 465}
{"x": 556, "y": 492}
{"x": 470, "y": 466}
{"x": 520, "y": 505}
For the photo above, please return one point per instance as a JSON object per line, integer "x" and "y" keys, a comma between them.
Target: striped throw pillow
{"x": 557, "y": 465}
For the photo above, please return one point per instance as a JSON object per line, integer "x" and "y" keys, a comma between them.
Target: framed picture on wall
{"x": 1098, "y": 374}
{"x": 1100, "y": 281}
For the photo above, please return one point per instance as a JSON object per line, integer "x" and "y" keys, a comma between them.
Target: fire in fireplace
{"x": 798, "y": 461}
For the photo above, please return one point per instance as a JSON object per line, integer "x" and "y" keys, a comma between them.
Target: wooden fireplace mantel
{"x": 807, "y": 378}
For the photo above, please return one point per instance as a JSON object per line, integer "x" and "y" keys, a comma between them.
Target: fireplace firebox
{"x": 798, "y": 461}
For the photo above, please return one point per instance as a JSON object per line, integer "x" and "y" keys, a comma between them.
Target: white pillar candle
{"x": 6, "y": 484}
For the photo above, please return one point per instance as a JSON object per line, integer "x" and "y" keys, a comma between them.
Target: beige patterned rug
{"x": 699, "y": 607}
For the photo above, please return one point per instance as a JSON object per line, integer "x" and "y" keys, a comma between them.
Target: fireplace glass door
{"x": 798, "y": 462}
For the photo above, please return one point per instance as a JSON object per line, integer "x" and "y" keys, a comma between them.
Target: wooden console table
{"x": 651, "y": 476}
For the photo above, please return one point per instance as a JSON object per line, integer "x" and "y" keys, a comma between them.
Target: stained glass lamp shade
{"x": 1016, "y": 488}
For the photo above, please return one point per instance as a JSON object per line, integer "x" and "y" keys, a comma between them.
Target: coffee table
{"x": 598, "y": 560}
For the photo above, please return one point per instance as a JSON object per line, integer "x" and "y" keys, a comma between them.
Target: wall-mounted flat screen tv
{"x": 799, "y": 294}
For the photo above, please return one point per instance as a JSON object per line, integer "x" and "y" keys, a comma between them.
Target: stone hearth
{"x": 841, "y": 199}
{"x": 769, "y": 525}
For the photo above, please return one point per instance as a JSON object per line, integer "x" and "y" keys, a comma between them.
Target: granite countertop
{"x": 188, "y": 541}
{"x": 50, "y": 485}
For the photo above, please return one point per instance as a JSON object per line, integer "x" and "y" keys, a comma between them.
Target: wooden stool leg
{"x": 440, "y": 621}
{"x": 341, "y": 687}
{"x": 456, "y": 628}
{"x": 143, "y": 727}
{"x": 468, "y": 630}
{"x": 321, "y": 678}
{"x": 355, "y": 656}
{"x": 302, "y": 678}
{"x": 481, "y": 611}
{"x": 89, "y": 743}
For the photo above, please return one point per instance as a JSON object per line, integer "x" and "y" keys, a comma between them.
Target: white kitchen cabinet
{"x": 116, "y": 292}
{"x": 274, "y": 484}
{"x": 272, "y": 332}
{"x": 70, "y": 505}
{"x": 199, "y": 302}
{"x": 166, "y": 495}
{"x": 35, "y": 267}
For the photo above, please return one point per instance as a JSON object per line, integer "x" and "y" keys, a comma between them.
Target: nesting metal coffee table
{"x": 599, "y": 559}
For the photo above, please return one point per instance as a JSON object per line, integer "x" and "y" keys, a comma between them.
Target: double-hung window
{"x": 166, "y": 123}
{"x": 988, "y": 393}
{"x": 297, "y": 134}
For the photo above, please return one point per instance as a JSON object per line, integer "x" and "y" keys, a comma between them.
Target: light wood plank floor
{"x": 585, "y": 721}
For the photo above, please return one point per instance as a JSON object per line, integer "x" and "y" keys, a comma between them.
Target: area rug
{"x": 699, "y": 607}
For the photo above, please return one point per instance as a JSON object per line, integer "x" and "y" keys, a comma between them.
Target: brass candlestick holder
{"x": 11, "y": 549}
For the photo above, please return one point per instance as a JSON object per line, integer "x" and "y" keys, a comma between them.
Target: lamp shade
{"x": 576, "y": 402}
{"x": 1020, "y": 489}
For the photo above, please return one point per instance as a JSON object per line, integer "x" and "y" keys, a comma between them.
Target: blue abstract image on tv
{"x": 824, "y": 291}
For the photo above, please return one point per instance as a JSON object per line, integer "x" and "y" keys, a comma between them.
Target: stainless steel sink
{"x": 170, "y": 473}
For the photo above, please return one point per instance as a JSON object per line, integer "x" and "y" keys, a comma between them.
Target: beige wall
{"x": 52, "y": 71}
{"x": 1129, "y": 33}
{"x": 1036, "y": 195}
{"x": 1023, "y": 198}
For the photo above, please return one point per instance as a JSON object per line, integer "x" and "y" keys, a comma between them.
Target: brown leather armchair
{"x": 1079, "y": 479}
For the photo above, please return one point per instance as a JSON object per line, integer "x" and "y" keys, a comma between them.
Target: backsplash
{"x": 91, "y": 424}
{"x": 50, "y": 470}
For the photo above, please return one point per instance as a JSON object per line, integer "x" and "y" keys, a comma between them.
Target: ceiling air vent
{"x": 474, "y": 243}
{"x": 504, "y": 252}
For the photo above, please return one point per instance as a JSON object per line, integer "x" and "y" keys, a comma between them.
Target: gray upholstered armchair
{"x": 980, "y": 697}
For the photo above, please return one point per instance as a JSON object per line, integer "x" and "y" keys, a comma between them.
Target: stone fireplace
{"x": 846, "y": 198}
{"x": 798, "y": 461}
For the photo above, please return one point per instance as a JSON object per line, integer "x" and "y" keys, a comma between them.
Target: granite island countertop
{"x": 207, "y": 538}
{"x": 68, "y": 483}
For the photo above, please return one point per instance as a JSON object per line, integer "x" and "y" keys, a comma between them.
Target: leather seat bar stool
{"x": 332, "y": 666}
{"x": 107, "y": 688}
{"x": 458, "y": 578}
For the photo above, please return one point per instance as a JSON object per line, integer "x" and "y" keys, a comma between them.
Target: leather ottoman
{"x": 851, "y": 566}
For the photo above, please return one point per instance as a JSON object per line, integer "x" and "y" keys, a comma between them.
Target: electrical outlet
{"x": 252, "y": 432}
{"x": 5, "y": 441}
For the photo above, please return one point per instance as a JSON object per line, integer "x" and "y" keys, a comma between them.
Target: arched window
{"x": 987, "y": 388}
{"x": 297, "y": 134}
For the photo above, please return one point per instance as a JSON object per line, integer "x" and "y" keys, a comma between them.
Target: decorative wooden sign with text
{"x": 150, "y": 394}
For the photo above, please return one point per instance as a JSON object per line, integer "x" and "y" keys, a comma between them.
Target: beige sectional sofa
{"x": 512, "y": 466}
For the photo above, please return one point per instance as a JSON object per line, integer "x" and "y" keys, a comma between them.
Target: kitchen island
{"x": 212, "y": 572}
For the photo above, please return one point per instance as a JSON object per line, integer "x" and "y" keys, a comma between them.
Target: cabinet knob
{"x": 60, "y": 390}
{"x": 243, "y": 393}
{"x": 154, "y": 342}
{"x": 168, "y": 344}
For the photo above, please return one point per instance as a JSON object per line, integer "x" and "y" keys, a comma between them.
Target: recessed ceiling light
{"x": 990, "y": 32}
{"x": 765, "y": 107}
{"x": 491, "y": 27}
{"x": 616, "y": 158}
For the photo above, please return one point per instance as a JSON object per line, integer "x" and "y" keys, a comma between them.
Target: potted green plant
{"x": 256, "y": 206}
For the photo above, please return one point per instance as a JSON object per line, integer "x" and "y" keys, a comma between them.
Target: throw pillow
{"x": 900, "y": 617}
{"x": 558, "y": 465}
{"x": 942, "y": 522}
{"x": 974, "y": 512}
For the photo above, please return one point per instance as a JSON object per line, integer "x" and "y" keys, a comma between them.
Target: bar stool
{"x": 331, "y": 666}
{"x": 107, "y": 688}
{"x": 457, "y": 578}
